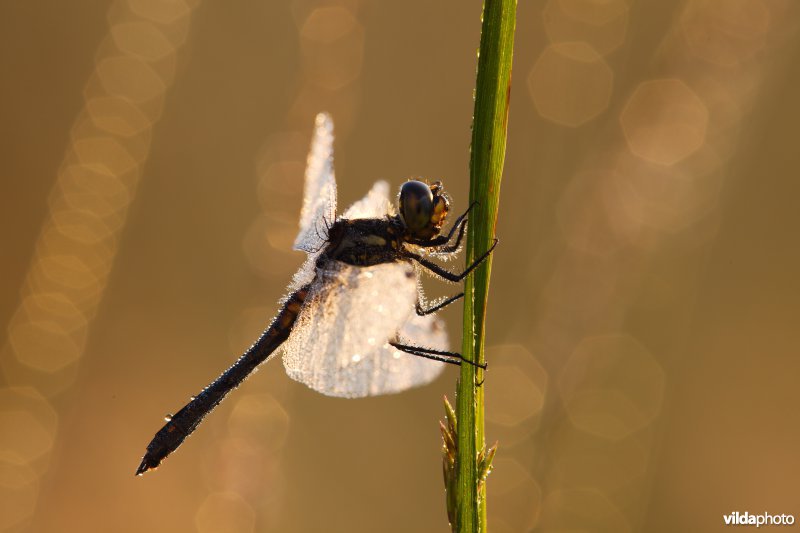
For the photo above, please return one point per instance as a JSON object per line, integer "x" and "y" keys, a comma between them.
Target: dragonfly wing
{"x": 319, "y": 196}
{"x": 374, "y": 205}
{"x": 339, "y": 345}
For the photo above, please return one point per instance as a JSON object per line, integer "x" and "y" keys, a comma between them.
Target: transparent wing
{"x": 319, "y": 196}
{"x": 339, "y": 344}
{"x": 374, "y": 205}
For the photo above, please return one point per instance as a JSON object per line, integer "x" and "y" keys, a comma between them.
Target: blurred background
{"x": 642, "y": 323}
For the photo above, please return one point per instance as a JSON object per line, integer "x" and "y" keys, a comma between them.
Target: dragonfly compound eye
{"x": 416, "y": 206}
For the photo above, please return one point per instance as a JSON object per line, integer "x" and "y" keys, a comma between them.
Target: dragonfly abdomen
{"x": 184, "y": 422}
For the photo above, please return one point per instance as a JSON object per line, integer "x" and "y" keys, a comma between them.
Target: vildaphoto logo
{"x": 746, "y": 519}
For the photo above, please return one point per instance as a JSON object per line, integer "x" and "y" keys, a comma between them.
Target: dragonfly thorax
{"x": 364, "y": 241}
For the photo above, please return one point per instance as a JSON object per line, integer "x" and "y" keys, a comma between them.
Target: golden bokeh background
{"x": 642, "y": 323}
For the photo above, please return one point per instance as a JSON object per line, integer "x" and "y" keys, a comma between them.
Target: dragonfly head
{"x": 423, "y": 208}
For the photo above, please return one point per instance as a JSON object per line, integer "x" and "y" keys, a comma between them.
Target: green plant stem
{"x": 490, "y": 119}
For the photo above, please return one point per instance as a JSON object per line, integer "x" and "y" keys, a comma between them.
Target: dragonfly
{"x": 354, "y": 322}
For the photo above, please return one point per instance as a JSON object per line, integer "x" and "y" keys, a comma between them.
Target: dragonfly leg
{"x": 453, "y": 248}
{"x": 460, "y": 224}
{"x": 444, "y": 273}
{"x": 459, "y": 220}
{"x": 444, "y": 303}
{"x": 434, "y": 357}
{"x": 454, "y": 358}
